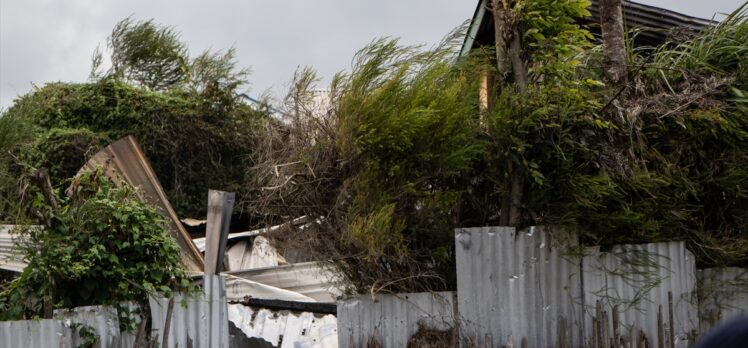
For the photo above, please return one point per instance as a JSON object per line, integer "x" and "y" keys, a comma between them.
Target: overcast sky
{"x": 44, "y": 40}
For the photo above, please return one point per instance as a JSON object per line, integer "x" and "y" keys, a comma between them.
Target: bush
{"x": 103, "y": 247}
{"x": 187, "y": 116}
{"x": 403, "y": 155}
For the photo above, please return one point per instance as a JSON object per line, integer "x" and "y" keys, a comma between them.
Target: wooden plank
{"x": 220, "y": 206}
{"x": 671, "y": 322}
{"x": 124, "y": 160}
{"x": 660, "y": 329}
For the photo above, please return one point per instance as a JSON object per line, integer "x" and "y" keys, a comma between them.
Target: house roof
{"x": 654, "y": 24}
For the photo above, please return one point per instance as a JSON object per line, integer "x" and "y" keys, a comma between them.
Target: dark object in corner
{"x": 733, "y": 334}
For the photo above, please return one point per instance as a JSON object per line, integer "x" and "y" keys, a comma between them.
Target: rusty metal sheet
{"x": 514, "y": 285}
{"x": 125, "y": 160}
{"x": 391, "y": 320}
{"x": 723, "y": 295}
{"x": 637, "y": 278}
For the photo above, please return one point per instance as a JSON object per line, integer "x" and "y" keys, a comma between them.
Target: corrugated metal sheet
{"x": 201, "y": 321}
{"x": 35, "y": 334}
{"x": 286, "y": 329}
{"x": 657, "y": 21}
{"x": 102, "y": 320}
{"x": 514, "y": 284}
{"x": 239, "y": 288}
{"x": 723, "y": 295}
{"x": 308, "y": 278}
{"x": 125, "y": 160}
{"x": 391, "y": 320}
{"x": 637, "y": 278}
{"x": 9, "y": 259}
{"x": 247, "y": 254}
{"x": 63, "y": 330}
{"x": 220, "y": 206}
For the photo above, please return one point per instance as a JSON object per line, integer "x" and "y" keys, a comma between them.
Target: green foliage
{"x": 721, "y": 50}
{"x": 195, "y": 130}
{"x": 664, "y": 161}
{"x": 103, "y": 247}
{"x": 552, "y": 36}
{"x": 16, "y": 133}
{"x": 395, "y": 152}
{"x": 64, "y": 150}
{"x": 147, "y": 54}
{"x": 401, "y": 158}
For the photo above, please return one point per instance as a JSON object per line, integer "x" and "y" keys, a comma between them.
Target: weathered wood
{"x": 599, "y": 321}
{"x": 616, "y": 327}
{"x": 45, "y": 184}
{"x": 671, "y": 325}
{"x": 220, "y": 206}
{"x": 140, "y": 340}
{"x": 563, "y": 339}
{"x": 606, "y": 333}
{"x": 660, "y": 329}
{"x": 167, "y": 323}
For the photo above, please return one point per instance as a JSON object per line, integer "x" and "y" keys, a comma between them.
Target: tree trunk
{"x": 500, "y": 14}
{"x": 614, "y": 46}
{"x": 509, "y": 50}
{"x": 515, "y": 55}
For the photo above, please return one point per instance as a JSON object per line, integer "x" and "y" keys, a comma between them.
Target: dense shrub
{"x": 402, "y": 155}
{"x": 194, "y": 128}
{"x": 102, "y": 247}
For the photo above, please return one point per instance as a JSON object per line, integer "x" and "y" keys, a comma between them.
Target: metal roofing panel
{"x": 638, "y": 278}
{"x": 10, "y": 259}
{"x": 242, "y": 256}
{"x": 391, "y": 320}
{"x": 286, "y": 329}
{"x": 201, "y": 321}
{"x": 514, "y": 284}
{"x": 308, "y": 278}
{"x": 723, "y": 295}
{"x": 125, "y": 160}
{"x": 657, "y": 21}
{"x": 238, "y": 288}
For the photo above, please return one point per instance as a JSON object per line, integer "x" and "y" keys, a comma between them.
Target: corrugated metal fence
{"x": 199, "y": 321}
{"x": 723, "y": 295}
{"x": 392, "y": 320}
{"x": 518, "y": 285}
{"x": 636, "y": 281}
{"x": 64, "y": 330}
{"x": 538, "y": 288}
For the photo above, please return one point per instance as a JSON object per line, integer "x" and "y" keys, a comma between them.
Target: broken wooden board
{"x": 125, "y": 160}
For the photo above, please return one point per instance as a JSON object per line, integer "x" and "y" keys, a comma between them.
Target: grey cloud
{"x": 44, "y": 41}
